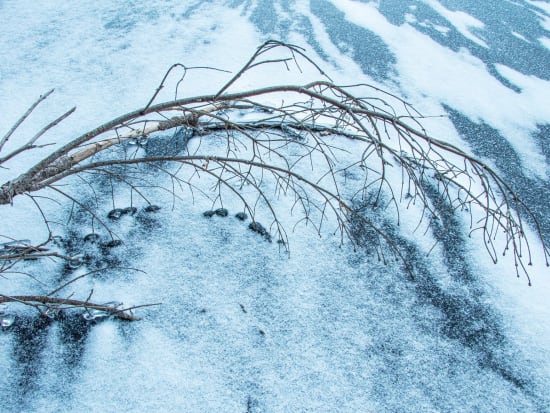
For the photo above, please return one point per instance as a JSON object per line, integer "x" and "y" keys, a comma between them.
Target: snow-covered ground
{"x": 244, "y": 326}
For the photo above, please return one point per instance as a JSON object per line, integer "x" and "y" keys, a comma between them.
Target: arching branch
{"x": 302, "y": 147}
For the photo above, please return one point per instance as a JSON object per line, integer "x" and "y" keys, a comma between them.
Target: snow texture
{"x": 244, "y": 326}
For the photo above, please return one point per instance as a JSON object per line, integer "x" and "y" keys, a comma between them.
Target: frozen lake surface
{"x": 243, "y": 325}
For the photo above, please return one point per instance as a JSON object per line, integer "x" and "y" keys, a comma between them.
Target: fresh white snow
{"x": 243, "y": 325}
{"x": 463, "y": 22}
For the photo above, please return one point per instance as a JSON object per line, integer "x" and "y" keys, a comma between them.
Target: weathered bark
{"x": 315, "y": 110}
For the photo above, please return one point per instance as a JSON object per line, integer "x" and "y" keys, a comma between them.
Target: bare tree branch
{"x": 22, "y": 118}
{"x": 299, "y": 147}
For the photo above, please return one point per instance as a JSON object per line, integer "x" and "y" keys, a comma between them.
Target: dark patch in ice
{"x": 112, "y": 244}
{"x": 121, "y": 24}
{"x": 152, "y": 208}
{"x": 92, "y": 238}
{"x": 260, "y": 229}
{"x": 208, "y": 214}
{"x": 194, "y": 7}
{"x": 125, "y": 16}
{"x": 168, "y": 144}
{"x": 264, "y": 16}
{"x": 529, "y": 58}
{"x": 30, "y": 343}
{"x": 129, "y": 210}
{"x": 221, "y": 212}
{"x": 487, "y": 143}
{"x": 364, "y": 46}
{"x": 73, "y": 332}
{"x": 542, "y": 136}
{"x": 115, "y": 214}
{"x": 146, "y": 219}
{"x": 241, "y": 216}
{"x": 252, "y": 405}
{"x": 464, "y": 316}
{"x": 302, "y": 25}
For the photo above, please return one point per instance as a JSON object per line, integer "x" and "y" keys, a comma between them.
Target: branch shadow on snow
{"x": 466, "y": 319}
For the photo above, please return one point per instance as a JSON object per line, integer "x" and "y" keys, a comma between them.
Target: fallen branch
{"x": 43, "y": 303}
{"x": 319, "y": 121}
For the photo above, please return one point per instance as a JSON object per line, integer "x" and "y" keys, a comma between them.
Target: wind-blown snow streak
{"x": 463, "y": 22}
{"x": 243, "y": 326}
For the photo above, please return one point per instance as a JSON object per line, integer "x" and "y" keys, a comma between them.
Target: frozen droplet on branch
{"x": 7, "y": 320}
{"x": 96, "y": 314}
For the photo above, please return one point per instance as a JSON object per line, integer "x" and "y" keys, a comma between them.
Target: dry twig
{"x": 317, "y": 125}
